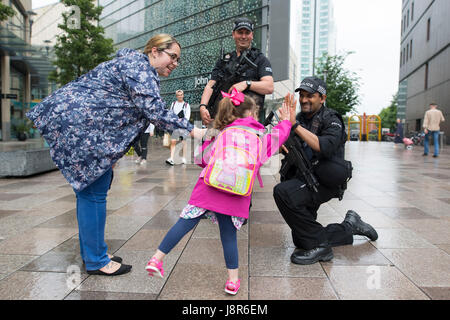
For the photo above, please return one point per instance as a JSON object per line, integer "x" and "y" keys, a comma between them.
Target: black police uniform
{"x": 224, "y": 67}
{"x": 298, "y": 204}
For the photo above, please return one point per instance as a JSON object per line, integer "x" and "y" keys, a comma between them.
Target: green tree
{"x": 81, "y": 46}
{"x": 5, "y": 12}
{"x": 342, "y": 85}
{"x": 388, "y": 115}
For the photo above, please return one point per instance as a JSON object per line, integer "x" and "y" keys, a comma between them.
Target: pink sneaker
{"x": 158, "y": 269}
{"x": 232, "y": 287}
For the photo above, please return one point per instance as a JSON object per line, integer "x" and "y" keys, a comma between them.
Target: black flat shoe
{"x": 124, "y": 268}
{"x": 116, "y": 259}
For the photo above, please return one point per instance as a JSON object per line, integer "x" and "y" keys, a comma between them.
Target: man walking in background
{"x": 431, "y": 126}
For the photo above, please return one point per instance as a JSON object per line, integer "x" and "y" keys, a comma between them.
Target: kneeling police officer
{"x": 322, "y": 135}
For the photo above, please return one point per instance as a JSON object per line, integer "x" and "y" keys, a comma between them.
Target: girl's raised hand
{"x": 283, "y": 112}
{"x": 287, "y": 111}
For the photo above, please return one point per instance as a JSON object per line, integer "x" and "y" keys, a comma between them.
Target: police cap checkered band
{"x": 313, "y": 85}
{"x": 243, "y": 23}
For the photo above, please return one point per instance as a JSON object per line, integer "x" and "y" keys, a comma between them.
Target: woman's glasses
{"x": 172, "y": 56}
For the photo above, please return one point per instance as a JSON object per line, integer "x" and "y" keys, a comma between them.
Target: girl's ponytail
{"x": 225, "y": 114}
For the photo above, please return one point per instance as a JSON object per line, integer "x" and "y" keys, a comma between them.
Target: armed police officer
{"x": 245, "y": 69}
{"x": 320, "y": 132}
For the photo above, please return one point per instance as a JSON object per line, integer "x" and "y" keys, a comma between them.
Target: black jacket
{"x": 330, "y": 131}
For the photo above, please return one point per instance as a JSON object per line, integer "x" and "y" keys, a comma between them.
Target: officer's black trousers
{"x": 298, "y": 205}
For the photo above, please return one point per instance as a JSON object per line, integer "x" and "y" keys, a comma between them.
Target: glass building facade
{"x": 203, "y": 29}
{"x": 316, "y": 29}
{"x": 24, "y": 69}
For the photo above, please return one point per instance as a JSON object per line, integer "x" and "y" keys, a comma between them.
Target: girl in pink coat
{"x": 226, "y": 209}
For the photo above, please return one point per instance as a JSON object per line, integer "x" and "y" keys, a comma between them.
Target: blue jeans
{"x": 91, "y": 215}
{"x": 435, "y": 140}
{"x": 227, "y": 236}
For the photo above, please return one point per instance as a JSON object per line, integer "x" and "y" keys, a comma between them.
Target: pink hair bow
{"x": 236, "y": 97}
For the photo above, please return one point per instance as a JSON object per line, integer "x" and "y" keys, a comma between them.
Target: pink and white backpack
{"x": 234, "y": 163}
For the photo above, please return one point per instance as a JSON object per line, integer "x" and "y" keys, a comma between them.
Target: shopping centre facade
{"x": 203, "y": 29}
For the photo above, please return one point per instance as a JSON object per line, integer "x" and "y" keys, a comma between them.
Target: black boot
{"x": 321, "y": 253}
{"x": 359, "y": 227}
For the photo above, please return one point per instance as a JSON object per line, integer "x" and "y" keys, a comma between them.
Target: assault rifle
{"x": 295, "y": 159}
{"x": 224, "y": 83}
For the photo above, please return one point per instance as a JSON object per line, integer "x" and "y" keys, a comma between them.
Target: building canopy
{"x": 25, "y": 57}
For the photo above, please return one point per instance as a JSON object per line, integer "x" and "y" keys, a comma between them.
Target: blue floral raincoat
{"x": 90, "y": 123}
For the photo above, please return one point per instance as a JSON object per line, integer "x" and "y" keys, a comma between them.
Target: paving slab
{"x": 405, "y": 196}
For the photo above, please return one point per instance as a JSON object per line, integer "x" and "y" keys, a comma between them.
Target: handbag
{"x": 166, "y": 140}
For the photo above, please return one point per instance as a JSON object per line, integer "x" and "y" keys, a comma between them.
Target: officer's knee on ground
{"x": 277, "y": 191}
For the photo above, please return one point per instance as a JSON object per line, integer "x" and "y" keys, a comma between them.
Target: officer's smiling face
{"x": 243, "y": 38}
{"x": 310, "y": 102}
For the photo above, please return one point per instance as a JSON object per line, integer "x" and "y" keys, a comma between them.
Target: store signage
{"x": 201, "y": 81}
{"x": 12, "y": 96}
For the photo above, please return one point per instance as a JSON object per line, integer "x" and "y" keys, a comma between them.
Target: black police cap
{"x": 313, "y": 85}
{"x": 245, "y": 23}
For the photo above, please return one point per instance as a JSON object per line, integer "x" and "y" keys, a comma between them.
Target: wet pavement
{"x": 404, "y": 195}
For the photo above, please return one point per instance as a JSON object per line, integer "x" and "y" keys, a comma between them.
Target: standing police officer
{"x": 245, "y": 69}
{"x": 322, "y": 131}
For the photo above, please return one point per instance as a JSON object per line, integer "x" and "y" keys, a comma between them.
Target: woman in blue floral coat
{"x": 90, "y": 123}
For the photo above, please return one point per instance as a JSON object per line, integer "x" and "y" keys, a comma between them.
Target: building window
{"x": 412, "y": 12}
{"x": 426, "y": 76}
{"x": 407, "y": 52}
{"x": 401, "y": 57}
{"x": 428, "y": 29}
{"x": 418, "y": 126}
{"x": 407, "y": 19}
{"x": 410, "y": 49}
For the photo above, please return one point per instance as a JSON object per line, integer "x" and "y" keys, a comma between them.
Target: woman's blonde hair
{"x": 179, "y": 92}
{"x": 161, "y": 41}
{"x": 228, "y": 112}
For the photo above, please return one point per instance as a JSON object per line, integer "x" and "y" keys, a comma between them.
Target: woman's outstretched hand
{"x": 197, "y": 133}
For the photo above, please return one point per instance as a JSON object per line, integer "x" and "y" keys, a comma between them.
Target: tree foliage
{"x": 342, "y": 85}
{"x": 82, "y": 45}
{"x": 5, "y": 12}
{"x": 388, "y": 115}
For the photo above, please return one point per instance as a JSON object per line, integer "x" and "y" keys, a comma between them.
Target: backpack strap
{"x": 184, "y": 108}
{"x": 257, "y": 132}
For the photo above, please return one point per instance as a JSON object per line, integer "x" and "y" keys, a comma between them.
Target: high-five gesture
{"x": 290, "y": 103}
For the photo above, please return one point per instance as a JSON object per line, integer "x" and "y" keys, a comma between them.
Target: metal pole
{"x": 314, "y": 38}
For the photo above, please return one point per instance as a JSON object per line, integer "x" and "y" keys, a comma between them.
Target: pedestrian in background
{"x": 140, "y": 144}
{"x": 431, "y": 127}
{"x": 183, "y": 110}
{"x": 399, "y": 132}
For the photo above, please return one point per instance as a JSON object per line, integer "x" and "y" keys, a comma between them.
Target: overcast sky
{"x": 372, "y": 30}
{"x": 41, "y": 3}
